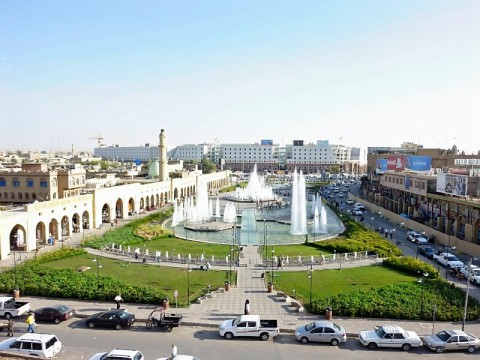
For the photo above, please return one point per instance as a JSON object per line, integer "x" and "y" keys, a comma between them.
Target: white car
{"x": 417, "y": 238}
{"x": 44, "y": 346}
{"x": 474, "y": 274}
{"x": 349, "y": 201}
{"x": 389, "y": 336}
{"x": 116, "y": 354}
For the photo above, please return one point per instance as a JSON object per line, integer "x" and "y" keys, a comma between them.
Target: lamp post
{"x": 273, "y": 252}
{"x": 188, "y": 281}
{"x": 310, "y": 275}
{"x": 419, "y": 281}
{"x": 448, "y": 247}
{"x": 15, "y": 265}
{"x": 265, "y": 239}
{"x": 230, "y": 271}
{"x": 465, "y": 308}
{"x": 98, "y": 272}
{"x": 433, "y": 317}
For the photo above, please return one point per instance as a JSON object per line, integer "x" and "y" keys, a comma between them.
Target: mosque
{"x": 61, "y": 207}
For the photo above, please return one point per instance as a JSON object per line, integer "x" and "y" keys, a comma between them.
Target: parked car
{"x": 357, "y": 212}
{"x": 116, "y": 354}
{"x": 55, "y": 313}
{"x": 389, "y": 336}
{"x": 451, "y": 340}
{"x": 426, "y": 251}
{"x": 321, "y": 331}
{"x": 117, "y": 319}
{"x": 474, "y": 273}
{"x": 417, "y": 238}
{"x": 44, "y": 346}
{"x": 349, "y": 201}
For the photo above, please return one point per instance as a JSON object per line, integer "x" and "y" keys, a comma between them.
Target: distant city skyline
{"x": 356, "y": 73}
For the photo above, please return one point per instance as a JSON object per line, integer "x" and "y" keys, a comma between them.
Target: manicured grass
{"x": 164, "y": 277}
{"x": 296, "y": 250}
{"x": 327, "y": 283}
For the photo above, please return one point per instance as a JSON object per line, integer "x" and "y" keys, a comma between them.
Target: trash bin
{"x": 166, "y": 304}
{"x": 227, "y": 286}
{"x": 270, "y": 287}
{"x": 16, "y": 293}
{"x": 328, "y": 313}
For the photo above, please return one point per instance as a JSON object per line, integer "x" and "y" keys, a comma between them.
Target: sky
{"x": 354, "y": 72}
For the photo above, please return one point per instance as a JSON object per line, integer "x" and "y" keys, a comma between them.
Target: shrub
{"x": 411, "y": 265}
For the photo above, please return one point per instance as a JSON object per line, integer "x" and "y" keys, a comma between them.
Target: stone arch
{"x": 131, "y": 206}
{"x": 476, "y": 232}
{"x": 53, "y": 229}
{"x": 85, "y": 220}
{"x": 157, "y": 200}
{"x": 65, "y": 226}
{"x": 152, "y": 201}
{"x": 119, "y": 209}
{"x": 18, "y": 238}
{"x": 76, "y": 221}
{"x": 142, "y": 203}
{"x": 41, "y": 232}
{"x": 175, "y": 194}
{"x": 460, "y": 227}
{"x": 147, "y": 202}
{"x": 105, "y": 213}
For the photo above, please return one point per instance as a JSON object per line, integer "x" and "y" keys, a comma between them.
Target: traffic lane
{"x": 81, "y": 342}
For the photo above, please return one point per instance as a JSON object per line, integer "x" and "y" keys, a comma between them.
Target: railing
{"x": 321, "y": 260}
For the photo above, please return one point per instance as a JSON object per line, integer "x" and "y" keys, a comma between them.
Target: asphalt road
{"x": 79, "y": 342}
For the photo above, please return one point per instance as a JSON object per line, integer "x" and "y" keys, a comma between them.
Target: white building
{"x": 127, "y": 153}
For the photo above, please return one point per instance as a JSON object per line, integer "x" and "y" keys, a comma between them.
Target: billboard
{"x": 381, "y": 166}
{"x": 266, "y": 142}
{"x": 452, "y": 184}
{"x": 418, "y": 163}
{"x": 396, "y": 163}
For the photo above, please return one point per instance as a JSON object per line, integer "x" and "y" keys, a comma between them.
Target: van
{"x": 44, "y": 346}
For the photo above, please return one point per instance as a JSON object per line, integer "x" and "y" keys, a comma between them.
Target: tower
{"x": 162, "y": 157}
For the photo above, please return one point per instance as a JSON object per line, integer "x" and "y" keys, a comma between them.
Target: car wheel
{"x": 439, "y": 349}
{"x": 406, "y": 347}
{"x": 372, "y": 346}
{"x": 8, "y": 316}
{"x": 334, "y": 342}
{"x": 264, "y": 336}
{"x": 149, "y": 324}
{"x": 56, "y": 321}
{"x": 169, "y": 329}
{"x": 448, "y": 267}
{"x": 436, "y": 260}
{"x": 228, "y": 336}
{"x": 471, "y": 349}
{"x": 118, "y": 327}
{"x": 91, "y": 324}
{"x": 304, "y": 340}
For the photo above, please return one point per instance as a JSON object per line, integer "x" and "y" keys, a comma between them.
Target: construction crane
{"x": 99, "y": 139}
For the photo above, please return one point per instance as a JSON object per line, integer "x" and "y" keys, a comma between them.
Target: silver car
{"x": 451, "y": 340}
{"x": 321, "y": 331}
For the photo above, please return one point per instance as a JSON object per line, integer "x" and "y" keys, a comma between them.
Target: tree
{"x": 208, "y": 166}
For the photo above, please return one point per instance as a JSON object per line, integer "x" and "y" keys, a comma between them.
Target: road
{"x": 79, "y": 342}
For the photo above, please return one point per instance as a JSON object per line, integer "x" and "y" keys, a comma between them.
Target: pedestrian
{"x": 31, "y": 322}
{"x": 391, "y": 233}
{"x": 247, "y": 307}
{"x": 10, "y": 325}
{"x": 174, "y": 351}
{"x": 118, "y": 298}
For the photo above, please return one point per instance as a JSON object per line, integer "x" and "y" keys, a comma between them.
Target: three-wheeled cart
{"x": 158, "y": 318}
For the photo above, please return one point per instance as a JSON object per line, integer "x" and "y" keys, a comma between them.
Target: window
{"x": 26, "y": 345}
{"x": 37, "y": 346}
{"x": 29, "y": 182}
{"x": 3, "y": 182}
{"x": 15, "y": 182}
{"x": 43, "y": 183}
{"x": 398, "y": 336}
{"x": 328, "y": 330}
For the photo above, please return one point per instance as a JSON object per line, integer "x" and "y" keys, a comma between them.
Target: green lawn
{"x": 164, "y": 277}
{"x": 326, "y": 283}
{"x": 295, "y": 250}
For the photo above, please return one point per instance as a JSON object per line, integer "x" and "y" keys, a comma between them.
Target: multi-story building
{"x": 127, "y": 153}
{"x": 191, "y": 152}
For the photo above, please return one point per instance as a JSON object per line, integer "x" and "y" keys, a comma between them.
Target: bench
{"x": 298, "y": 307}
{"x": 285, "y": 296}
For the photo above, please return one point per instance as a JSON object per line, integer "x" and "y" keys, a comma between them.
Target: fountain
{"x": 299, "y": 211}
{"x": 255, "y": 191}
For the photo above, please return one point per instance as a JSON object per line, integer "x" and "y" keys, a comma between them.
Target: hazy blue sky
{"x": 363, "y": 72}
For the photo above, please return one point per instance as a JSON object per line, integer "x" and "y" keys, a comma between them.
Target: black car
{"x": 426, "y": 251}
{"x": 117, "y": 319}
{"x": 55, "y": 313}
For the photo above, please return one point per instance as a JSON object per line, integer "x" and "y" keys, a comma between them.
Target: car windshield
{"x": 336, "y": 327}
{"x": 444, "y": 336}
{"x": 236, "y": 321}
{"x": 380, "y": 332}
{"x": 476, "y": 272}
{"x": 451, "y": 258}
{"x": 62, "y": 308}
{"x": 310, "y": 326}
{"x": 122, "y": 315}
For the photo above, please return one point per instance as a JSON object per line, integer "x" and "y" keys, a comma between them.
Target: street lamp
{"x": 448, "y": 247}
{"x": 230, "y": 272}
{"x": 266, "y": 239}
{"x": 310, "y": 275}
{"x": 98, "y": 272}
{"x": 188, "y": 281}
{"x": 419, "y": 281}
{"x": 273, "y": 252}
{"x": 466, "y": 294}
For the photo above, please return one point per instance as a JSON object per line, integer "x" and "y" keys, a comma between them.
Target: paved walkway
{"x": 250, "y": 285}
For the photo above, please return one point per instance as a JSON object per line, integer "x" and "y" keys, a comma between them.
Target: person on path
{"x": 118, "y": 298}
{"x": 174, "y": 351}
{"x": 31, "y": 322}
{"x": 247, "y": 307}
{"x": 10, "y": 326}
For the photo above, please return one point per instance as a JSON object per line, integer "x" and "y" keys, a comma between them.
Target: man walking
{"x": 10, "y": 326}
{"x": 31, "y": 322}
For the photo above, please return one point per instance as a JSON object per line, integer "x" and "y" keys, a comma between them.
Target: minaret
{"x": 162, "y": 158}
